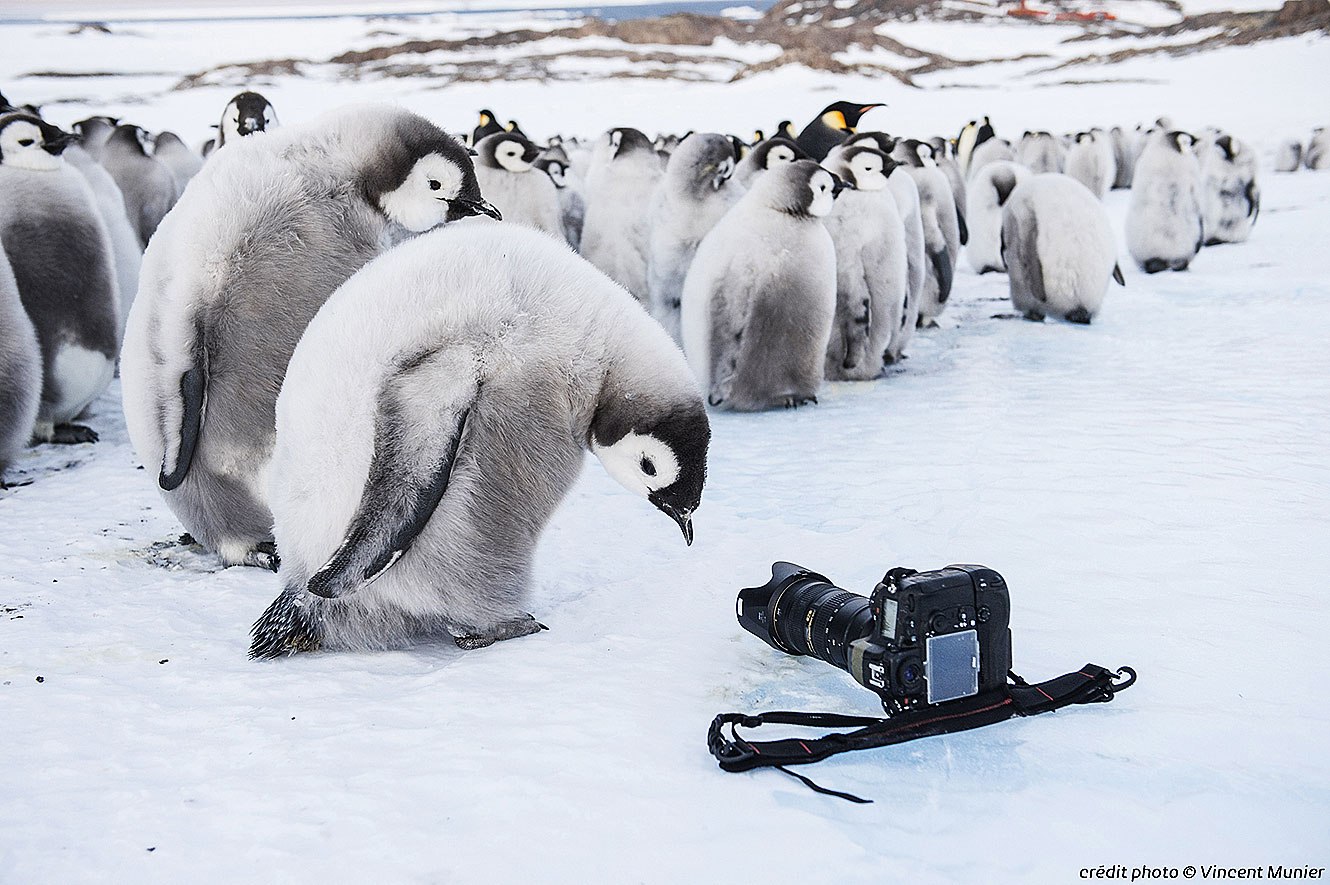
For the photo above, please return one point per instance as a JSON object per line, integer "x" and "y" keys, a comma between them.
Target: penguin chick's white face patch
{"x": 925, "y": 155}
{"x": 779, "y": 154}
{"x": 867, "y": 171}
{"x": 421, "y": 202}
{"x": 641, "y": 464}
{"x": 21, "y": 146}
{"x": 824, "y": 197}
{"x": 555, "y": 172}
{"x": 509, "y": 155}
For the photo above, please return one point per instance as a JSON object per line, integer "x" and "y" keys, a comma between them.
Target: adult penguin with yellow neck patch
{"x": 488, "y": 125}
{"x": 829, "y": 128}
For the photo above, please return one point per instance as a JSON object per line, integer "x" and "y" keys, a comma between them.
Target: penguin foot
{"x": 1154, "y": 265}
{"x": 1006, "y": 316}
{"x": 264, "y": 555}
{"x": 1180, "y": 265}
{"x": 73, "y": 434}
{"x": 794, "y": 401}
{"x": 523, "y": 626}
{"x": 290, "y": 625}
{"x": 1034, "y": 316}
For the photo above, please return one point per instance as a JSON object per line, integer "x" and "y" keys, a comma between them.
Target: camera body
{"x": 921, "y": 638}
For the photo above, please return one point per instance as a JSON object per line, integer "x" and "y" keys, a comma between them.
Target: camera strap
{"x": 1088, "y": 685}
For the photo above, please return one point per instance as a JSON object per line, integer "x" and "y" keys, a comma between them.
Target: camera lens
{"x": 817, "y": 618}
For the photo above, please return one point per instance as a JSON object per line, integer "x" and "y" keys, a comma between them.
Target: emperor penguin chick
{"x": 261, "y": 238}
{"x": 60, "y": 253}
{"x": 1317, "y": 155}
{"x": 126, "y": 247}
{"x": 1232, "y": 195}
{"x": 247, "y": 113}
{"x": 572, "y": 206}
{"x": 771, "y": 152}
{"x": 522, "y": 193}
{"x": 872, "y": 278}
{"x": 995, "y": 150}
{"x": 760, "y": 297}
{"x": 942, "y": 227}
{"x": 183, "y": 163}
{"x": 432, "y": 418}
{"x": 694, "y": 193}
{"x": 1164, "y": 223}
{"x": 148, "y": 187}
{"x": 1059, "y": 249}
{"x": 988, "y": 193}
{"x": 1090, "y": 161}
{"x": 20, "y": 370}
{"x": 619, "y": 183}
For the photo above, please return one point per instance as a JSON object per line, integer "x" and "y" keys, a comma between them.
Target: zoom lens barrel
{"x": 802, "y": 613}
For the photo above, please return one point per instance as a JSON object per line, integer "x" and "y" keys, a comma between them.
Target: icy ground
{"x": 1154, "y": 488}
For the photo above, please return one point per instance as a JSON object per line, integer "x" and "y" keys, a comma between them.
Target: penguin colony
{"x": 340, "y": 367}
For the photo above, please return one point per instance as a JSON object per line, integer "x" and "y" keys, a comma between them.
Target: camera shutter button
{"x": 939, "y": 623}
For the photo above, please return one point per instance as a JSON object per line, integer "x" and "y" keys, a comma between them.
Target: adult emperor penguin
{"x": 1164, "y": 224}
{"x": 1059, "y": 249}
{"x": 20, "y": 370}
{"x": 432, "y": 418}
{"x": 247, "y": 113}
{"x": 1232, "y": 195}
{"x": 767, "y": 153}
{"x": 177, "y": 156}
{"x": 262, "y": 237}
{"x": 126, "y": 248}
{"x": 988, "y": 193}
{"x": 760, "y": 297}
{"x": 942, "y": 227}
{"x": 872, "y": 275}
{"x": 487, "y": 126}
{"x": 60, "y": 255}
{"x": 147, "y": 185}
{"x": 1090, "y": 161}
{"x": 696, "y": 190}
{"x": 623, "y": 175}
{"x": 965, "y": 144}
{"x": 522, "y": 193}
{"x": 829, "y": 128}
{"x": 572, "y": 205}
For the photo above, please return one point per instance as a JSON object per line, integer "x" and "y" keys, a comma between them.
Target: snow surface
{"x": 1154, "y": 487}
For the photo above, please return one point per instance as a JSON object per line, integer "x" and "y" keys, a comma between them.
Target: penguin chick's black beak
{"x": 683, "y": 517}
{"x": 54, "y": 141}
{"x": 476, "y": 207}
{"x": 248, "y": 125}
{"x": 842, "y": 184}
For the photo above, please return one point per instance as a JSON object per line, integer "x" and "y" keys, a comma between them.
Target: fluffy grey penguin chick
{"x": 1288, "y": 157}
{"x": 989, "y": 190}
{"x": 247, "y": 113}
{"x": 1232, "y": 194}
{"x": 572, "y": 206}
{"x": 774, "y": 151}
{"x": 942, "y": 227}
{"x": 619, "y": 183}
{"x": 1059, "y": 249}
{"x": 1042, "y": 152}
{"x": 60, "y": 254}
{"x": 511, "y": 184}
{"x": 1164, "y": 224}
{"x": 872, "y": 275}
{"x": 1317, "y": 155}
{"x": 183, "y": 163}
{"x": 93, "y": 133}
{"x": 1090, "y": 161}
{"x": 264, "y": 234}
{"x": 146, "y": 183}
{"x": 432, "y": 418}
{"x": 126, "y": 248}
{"x": 995, "y": 150}
{"x": 696, "y": 190}
{"x": 760, "y": 297}
{"x": 20, "y": 370}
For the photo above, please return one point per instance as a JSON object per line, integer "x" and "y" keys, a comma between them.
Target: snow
{"x": 1154, "y": 488}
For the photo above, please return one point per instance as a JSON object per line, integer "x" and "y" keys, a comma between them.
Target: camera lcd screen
{"x": 951, "y": 666}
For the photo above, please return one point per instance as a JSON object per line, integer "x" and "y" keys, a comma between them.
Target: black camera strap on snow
{"x": 1088, "y": 685}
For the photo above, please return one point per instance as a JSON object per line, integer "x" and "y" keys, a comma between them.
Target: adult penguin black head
{"x": 424, "y": 178}
{"x": 831, "y": 127}
{"x": 488, "y": 125}
{"x": 785, "y": 129}
{"x": 247, "y": 113}
{"x": 985, "y": 132}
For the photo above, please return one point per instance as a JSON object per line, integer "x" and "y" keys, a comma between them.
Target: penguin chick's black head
{"x": 423, "y": 177}
{"x": 247, "y": 113}
{"x": 802, "y": 189}
{"x": 130, "y": 137}
{"x": 776, "y": 150}
{"x": 626, "y": 140}
{"x": 512, "y": 151}
{"x": 880, "y": 140}
{"x": 21, "y": 132}
{"x": 658, "y": 451}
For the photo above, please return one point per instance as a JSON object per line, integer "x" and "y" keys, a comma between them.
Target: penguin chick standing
{"x": 989, "y": 190}
{"x": 696, "y": 190}
{"x": 262, "y": 237}
{"x": 760, "y": 297}
{"x": 184, "y": 164}
{"x": 831, "y": 127}
{"x": 1090, "y": 161}
{"x": 872, "y": 275}
{"x": 60, "y": 254}
{"x": 20, "y": 370}
{"x": 1232, "y": 196}
{"x": 942, "y": 227}
{"x": 146, "y": 183}
{"x": 572, "y": 207}
{"x": 1164, "y": 225}
{"x": 1059, "y": 249}
{"x": 995, "y": 150}
{"x": 522, "y": 193}
{"x": 771, "y": 152}
{"x": 432, "y": 418}
{"x": 1317, "y": 155}
{"x": 623, "y": 175}
{"x": 126, "y": 249}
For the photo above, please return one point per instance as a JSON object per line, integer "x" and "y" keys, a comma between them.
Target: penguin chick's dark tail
{"x": 291, "y": 624}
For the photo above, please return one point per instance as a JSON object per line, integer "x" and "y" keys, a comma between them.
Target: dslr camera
{"x": 920, "y": 638}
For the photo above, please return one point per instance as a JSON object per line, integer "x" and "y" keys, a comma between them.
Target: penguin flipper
{"x": 193, "y": 392}
{"x": 964, "y": 228}
{"x": 414, "y": 456}
{"x": 941, "y": 260}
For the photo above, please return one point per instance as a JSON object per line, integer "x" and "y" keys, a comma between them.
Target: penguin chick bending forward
{"x": 263, "y": 235}
{"x": 760, "y": 297}
{"x": 433, "y": 416}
